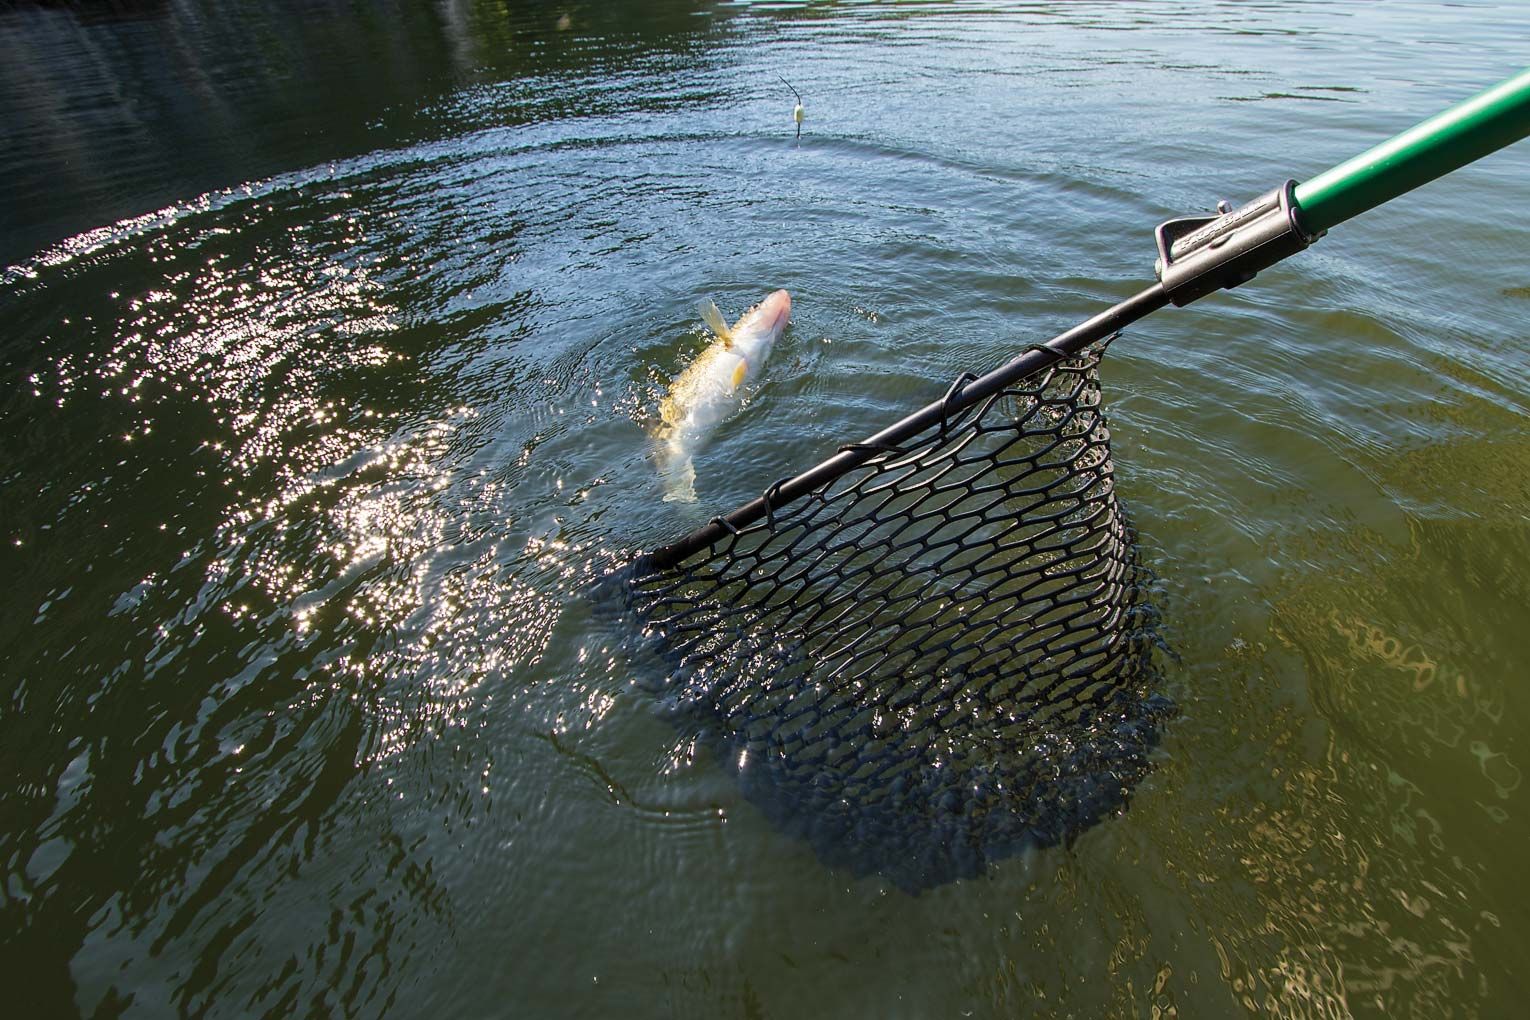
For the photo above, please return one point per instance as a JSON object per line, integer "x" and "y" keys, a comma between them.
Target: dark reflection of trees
{"x": 115, "y": 108}
{"x": 96, "y": 11}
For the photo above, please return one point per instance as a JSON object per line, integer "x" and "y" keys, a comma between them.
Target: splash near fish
{"x": 710, "y": 387}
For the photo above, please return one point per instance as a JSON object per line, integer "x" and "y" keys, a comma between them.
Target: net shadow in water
{"x": 940, "y": 659}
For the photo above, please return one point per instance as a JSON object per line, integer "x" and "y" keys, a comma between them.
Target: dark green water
{"x": 331, "y": 336}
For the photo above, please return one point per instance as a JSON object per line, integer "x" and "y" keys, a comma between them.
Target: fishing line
{"x": 797, "y": 110}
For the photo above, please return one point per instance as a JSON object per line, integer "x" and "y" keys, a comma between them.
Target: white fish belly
{"x": 702, "y": 396}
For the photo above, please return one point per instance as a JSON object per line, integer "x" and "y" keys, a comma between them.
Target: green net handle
{"x": 1467, "y": 131}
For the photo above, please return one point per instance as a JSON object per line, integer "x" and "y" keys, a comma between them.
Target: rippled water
{"x": 333, "y": 345}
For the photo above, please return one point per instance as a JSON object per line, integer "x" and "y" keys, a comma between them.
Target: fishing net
{"x": 938, "y": 659}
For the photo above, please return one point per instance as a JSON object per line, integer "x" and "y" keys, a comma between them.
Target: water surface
{"x": 333, "y": 337}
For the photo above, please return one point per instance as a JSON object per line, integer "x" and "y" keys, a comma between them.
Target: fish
{"x": 709, "y": 389}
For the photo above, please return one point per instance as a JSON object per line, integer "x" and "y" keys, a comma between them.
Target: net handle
{"x": 1197, "y": 255}
{"x": 1466, "y": 132}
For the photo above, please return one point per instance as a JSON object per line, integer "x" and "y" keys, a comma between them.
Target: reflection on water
{"x": 116, "y": 108}
{"x": 337, "y": 394}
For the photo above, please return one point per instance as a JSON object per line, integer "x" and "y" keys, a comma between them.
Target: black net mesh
{"x": 939, "y": 659}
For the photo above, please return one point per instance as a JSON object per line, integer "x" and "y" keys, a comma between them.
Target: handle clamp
{"x": 1201, "y": 254}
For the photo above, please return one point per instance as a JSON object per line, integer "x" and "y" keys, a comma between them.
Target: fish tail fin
{"x": 679, "y": 475}
{"x": 714, "y": 319}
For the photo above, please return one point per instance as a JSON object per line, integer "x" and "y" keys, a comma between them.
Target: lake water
{"x": 332, "y": 337}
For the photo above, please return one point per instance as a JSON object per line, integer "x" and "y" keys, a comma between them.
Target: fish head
{"x": 762, "y": 326}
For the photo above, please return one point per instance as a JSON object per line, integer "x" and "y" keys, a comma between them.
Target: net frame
{"x": 937, "y": 654}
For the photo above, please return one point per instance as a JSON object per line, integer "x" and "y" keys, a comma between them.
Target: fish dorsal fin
{"x": 714, "y": 320}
